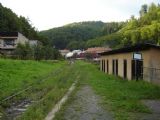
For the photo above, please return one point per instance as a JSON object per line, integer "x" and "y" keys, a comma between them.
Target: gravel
{"x": 86, "y": 106}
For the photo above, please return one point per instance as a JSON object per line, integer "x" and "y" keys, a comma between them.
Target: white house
{"x": 10, "y": 40}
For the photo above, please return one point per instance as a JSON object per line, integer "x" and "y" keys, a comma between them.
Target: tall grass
{"x": 18, "y": 74}
{"x": 52, "y": 91}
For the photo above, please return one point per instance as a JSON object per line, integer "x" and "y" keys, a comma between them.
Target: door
{"x": 104, "y": 66}
{"x": 107, "y": 67}
{"x": 137, "y": 69}
{"x": 115, "y": 67}
{"x": 125, "y": 69}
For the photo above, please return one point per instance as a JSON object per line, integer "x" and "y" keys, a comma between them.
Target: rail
{"x": 31, "y": 85}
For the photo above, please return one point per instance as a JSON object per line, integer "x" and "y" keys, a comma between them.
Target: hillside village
{"x": 80, "y": 71}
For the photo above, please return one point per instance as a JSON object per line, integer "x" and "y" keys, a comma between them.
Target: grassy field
{"x": 16, "y": 75}
{"x": 121, "y": 97}
{"x": 52, "y": 91}
{"x": 49, "y": 80}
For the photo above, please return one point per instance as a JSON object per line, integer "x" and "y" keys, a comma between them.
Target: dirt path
{"x": 154, "y": 106}
{"x": 85, "y": 106}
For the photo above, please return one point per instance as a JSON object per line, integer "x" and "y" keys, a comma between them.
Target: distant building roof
{"x": 98, "y": 49}
{"x": 8, "y": 34}
{"x": 135, "y": 48}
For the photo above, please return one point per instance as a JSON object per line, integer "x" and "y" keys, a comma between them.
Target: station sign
{"x": 137, "y": 56}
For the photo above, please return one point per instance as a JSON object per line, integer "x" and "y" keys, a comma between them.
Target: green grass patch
{"x": 54, "y": 89}
{"x": 122, "y": 97}
{"x": 18, "y": 74}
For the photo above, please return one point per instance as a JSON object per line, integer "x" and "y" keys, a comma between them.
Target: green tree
{"x": 38, "y": 52}
{"x": 24, "y": 51}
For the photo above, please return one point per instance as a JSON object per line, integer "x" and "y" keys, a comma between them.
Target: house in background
{"x": 10, "y": 40}
{"x": 64, "y": 52}
{"x": 138, "y": 62}
{"x": 93, "y": 53}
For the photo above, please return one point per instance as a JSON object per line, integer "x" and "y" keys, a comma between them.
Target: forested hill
{"x": 75, "y": 35}
{"x": 145, "y": 29}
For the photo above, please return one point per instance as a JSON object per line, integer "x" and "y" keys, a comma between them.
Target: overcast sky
{"x": 45, "y": 14}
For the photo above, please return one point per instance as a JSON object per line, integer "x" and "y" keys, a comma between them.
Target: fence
{"x": 151, "y": 74}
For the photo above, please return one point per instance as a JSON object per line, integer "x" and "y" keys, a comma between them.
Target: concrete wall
{"x": 120, "y": 58}
{"x": 8, "y": 49}
{"x": 21, "y": 39}
{"x": 1, "y": 43}
{"x": 152, "y": 66}
{"x": 151, "y": 59}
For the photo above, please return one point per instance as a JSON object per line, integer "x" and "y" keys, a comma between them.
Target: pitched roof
{"x": 135, "y": 48}
{"x": 97, "y": 49}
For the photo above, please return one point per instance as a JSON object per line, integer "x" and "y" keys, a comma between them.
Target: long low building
{"x": 138, "y": 62}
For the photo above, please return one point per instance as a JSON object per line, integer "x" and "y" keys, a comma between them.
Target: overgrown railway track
{"x": 29, "y": 87}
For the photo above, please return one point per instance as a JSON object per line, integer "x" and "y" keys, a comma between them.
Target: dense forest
{"x": 75, "y": 35}
{"x": 145, "y": 29}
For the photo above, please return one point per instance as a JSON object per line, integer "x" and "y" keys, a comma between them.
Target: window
{"x": 8, "y": 41}
{"x": 124, "y": 69}
{"x": 107, "y": 66}
{"x": 104, "y": 65}
{"x": 115, "y": 67}
{"x": 101, "y": 65}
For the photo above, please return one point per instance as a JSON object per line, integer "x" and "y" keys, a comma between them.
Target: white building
{"x": 10, "y": 40}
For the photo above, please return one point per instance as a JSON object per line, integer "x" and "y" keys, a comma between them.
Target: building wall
{"x": 8, "y": 49}
{"x": 1, "y": 43}
{"x": 120, "y": 58}
{"x": 21, "y": 39}
{"x": 152, "y": 66}
{"x": 33, "y": 42}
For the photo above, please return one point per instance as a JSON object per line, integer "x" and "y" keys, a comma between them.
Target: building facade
{"x": 64, "y": 52}
{"x": 133, "y": 63}
{"x": 10, "y": 40}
